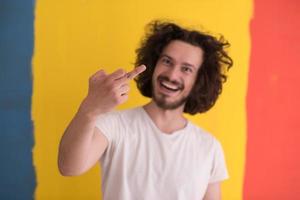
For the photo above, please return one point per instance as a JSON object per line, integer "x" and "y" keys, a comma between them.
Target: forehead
{"x": 183, "y": 52}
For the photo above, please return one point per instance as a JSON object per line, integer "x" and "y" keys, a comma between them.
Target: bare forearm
{"x": 82, "y": 145}
{"x": 75, "y": 144}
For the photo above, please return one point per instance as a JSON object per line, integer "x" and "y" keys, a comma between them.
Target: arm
{"x": 82, "y": 143}
{"x": 81, "y": 146}
{"x": 213, "y": 191}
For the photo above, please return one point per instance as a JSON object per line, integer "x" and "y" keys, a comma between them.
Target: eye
{"x": 186, "y": 69}
{"x": 166, "y": 61}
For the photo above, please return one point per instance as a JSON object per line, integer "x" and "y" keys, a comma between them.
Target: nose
{"x": 173, "y": 73}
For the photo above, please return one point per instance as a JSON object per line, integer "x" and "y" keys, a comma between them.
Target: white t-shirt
{"x": 143, "y": 163}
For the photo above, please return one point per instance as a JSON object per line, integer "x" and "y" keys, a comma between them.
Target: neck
{"x": 167, "y": 121}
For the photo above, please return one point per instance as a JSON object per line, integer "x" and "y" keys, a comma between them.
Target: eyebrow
{"x": 185, "y": 63}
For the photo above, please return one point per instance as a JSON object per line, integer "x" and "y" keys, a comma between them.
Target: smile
{"x": 169, "y": 86}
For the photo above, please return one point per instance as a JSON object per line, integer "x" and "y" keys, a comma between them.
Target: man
{"x": 153, "y": 152}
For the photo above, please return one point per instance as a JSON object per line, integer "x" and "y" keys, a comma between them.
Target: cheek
{"x": 190, "y": 83}
{"x": 154, "y": 79}
{"x": 155, "y": 73}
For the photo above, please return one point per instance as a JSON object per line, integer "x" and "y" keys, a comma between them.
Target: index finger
{"x": 136, "y": 71}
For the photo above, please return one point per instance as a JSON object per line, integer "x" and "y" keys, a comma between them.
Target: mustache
{"x": 165, "y": 78}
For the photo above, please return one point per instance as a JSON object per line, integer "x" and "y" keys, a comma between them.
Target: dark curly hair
{"x": 211, "y": 74}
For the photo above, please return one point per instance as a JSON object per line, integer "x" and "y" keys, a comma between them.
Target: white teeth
{"x": 169, "y": 86}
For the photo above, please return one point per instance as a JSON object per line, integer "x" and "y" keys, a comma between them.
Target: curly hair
{"x": 211, "y": 74}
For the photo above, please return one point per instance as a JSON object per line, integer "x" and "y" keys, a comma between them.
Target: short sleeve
{"x": 109, "y": 125}
{"x": 219, "y": 170}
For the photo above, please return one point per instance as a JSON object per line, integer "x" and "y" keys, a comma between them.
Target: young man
{"x": 153, "y": 152}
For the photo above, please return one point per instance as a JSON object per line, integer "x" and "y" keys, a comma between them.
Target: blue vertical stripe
{"x": 17, "y": 176}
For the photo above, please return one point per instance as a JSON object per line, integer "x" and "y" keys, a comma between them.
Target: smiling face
{"x": 175, "y": 74}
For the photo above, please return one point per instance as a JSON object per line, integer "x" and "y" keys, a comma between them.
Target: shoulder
{"x": 203, "y": 137}
{"x": 128, "y": 115}
{"x": 122, "y": 116}
{"x": 131, "y": 112}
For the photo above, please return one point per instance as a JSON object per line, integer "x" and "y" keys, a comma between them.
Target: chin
{"x": 169, "y": 105}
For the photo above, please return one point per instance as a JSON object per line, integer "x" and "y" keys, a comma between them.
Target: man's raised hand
{"x": 108, "y": 91}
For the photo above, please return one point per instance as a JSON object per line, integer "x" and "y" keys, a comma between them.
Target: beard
{"x": 161, "y": 99}
{"x": 164, "y": 104}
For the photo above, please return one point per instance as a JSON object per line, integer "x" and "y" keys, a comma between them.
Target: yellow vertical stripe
{"x": 73, "y": 39}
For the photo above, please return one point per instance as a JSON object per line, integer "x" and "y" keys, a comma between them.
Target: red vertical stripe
{"x": 273, "y": 102}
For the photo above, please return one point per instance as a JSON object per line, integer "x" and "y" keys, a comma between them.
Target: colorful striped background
{"x": 48, "y": 49}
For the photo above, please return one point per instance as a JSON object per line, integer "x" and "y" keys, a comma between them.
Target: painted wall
{"x": 73, "y": 39}
{"x": 17, "y": 174}
{"x": 272, "y": 167}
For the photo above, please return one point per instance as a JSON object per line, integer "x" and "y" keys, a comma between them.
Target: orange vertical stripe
{"x": 273, "y": 102}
